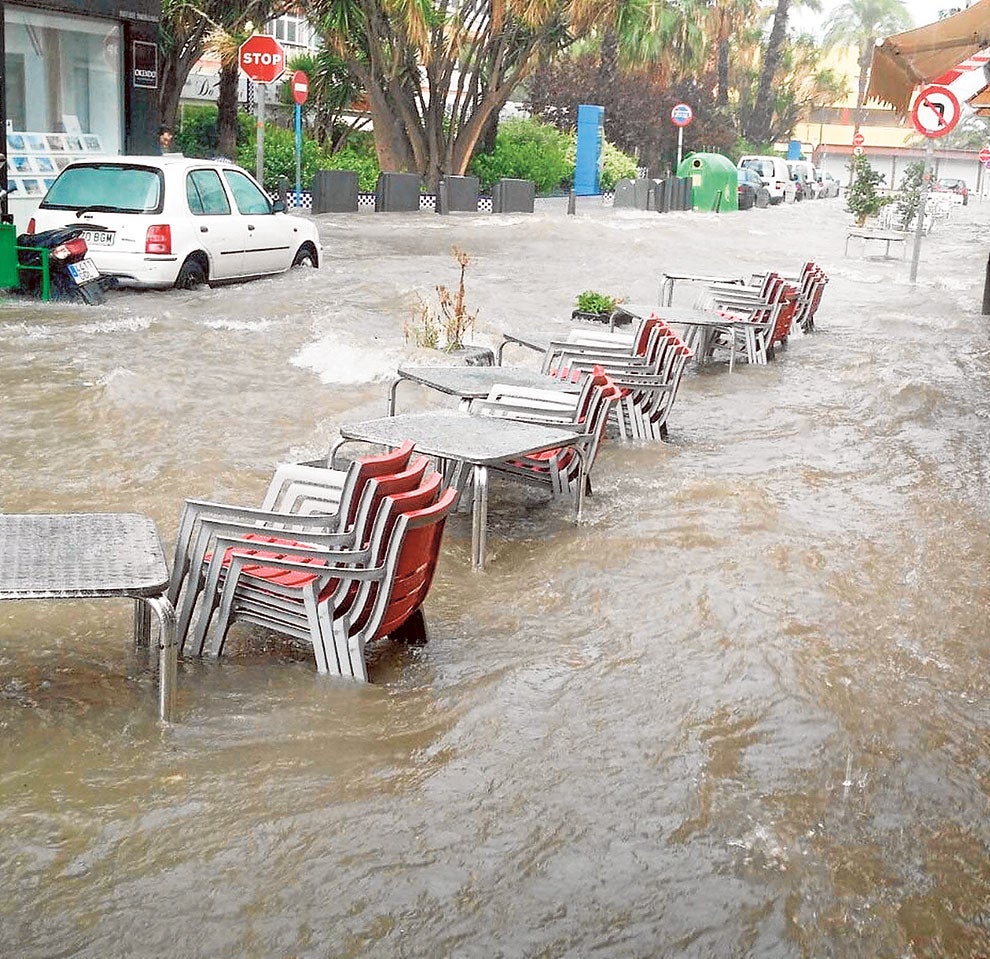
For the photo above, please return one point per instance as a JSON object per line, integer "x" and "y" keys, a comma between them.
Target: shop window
{"x": 72, "y": 68}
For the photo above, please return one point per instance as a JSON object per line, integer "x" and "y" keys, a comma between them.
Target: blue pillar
{"x": 589, "y": 149}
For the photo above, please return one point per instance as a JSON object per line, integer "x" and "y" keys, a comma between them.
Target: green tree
{"x": 435, "y": 72}
{"x": 859, "y": 24}
{"x": 909, "y": 193}
{"x": 863, "y": 198}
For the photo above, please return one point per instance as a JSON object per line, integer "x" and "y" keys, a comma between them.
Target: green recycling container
{"x": 8, "y": 256}
{"x": 714, "y": 181}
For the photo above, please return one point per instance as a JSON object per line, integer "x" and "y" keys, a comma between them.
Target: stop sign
{"x": 858, "y": 139}
{"x": 261, "y": 58}
{"x": 300, "y": 87}
{"x": 985, "y": 155}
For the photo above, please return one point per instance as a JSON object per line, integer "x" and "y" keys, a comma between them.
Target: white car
{"x": 176, "y": 221}
{"x": 773, "y": 172}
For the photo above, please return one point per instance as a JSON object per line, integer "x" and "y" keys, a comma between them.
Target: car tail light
{"x": 32, "y": 226}
{"x": 74, "y": 247}
{"x": 159, "y": 239}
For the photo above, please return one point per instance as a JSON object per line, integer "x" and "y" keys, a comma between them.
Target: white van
{"x": 774, "y": 174}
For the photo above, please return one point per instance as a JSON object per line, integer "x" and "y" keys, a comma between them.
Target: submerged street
{"x": 740, "y": 710}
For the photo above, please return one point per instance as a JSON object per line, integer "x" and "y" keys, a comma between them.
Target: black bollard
{"x": 986, "y": 290}
{"x": 283, "y": 191}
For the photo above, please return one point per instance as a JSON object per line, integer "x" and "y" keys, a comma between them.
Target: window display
{"x": 35, "y": 159}
{"x": 63, "y": 79}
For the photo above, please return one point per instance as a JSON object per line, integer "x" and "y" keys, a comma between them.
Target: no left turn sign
{"x": 935, "y": 111}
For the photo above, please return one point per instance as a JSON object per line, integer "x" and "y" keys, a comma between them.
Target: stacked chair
{"x": 646, "y": 365}
{"x": 586, "y": 412}
{"x": 345, "y": 557}
{"x": 811, "y": 284}
{"x": 752, "y": 314}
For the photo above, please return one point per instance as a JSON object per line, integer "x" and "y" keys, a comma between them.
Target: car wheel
{"x": 305, "y": 256}
{"x": 192, "y": 274}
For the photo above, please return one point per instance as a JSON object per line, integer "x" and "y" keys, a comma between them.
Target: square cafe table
{"x": 477, "y": 441}
{"x": 94, "y": 556}
{"x": 474, "y": 382}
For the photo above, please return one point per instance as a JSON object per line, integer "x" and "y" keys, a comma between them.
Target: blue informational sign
{"x": 794, "y": 150}
{"x": 587, "y": 164}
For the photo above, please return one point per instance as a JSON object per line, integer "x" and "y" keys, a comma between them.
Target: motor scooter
{"x": 74, "y": 276}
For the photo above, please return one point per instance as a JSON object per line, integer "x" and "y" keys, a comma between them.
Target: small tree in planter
{"x": 444, "y": 328}
{"x": 862, "y": 199}
{"x": 909, "y": 195}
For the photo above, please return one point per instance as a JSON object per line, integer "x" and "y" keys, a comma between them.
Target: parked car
{"x": 951, "y": 184}
{"x": 176, "y": 221}
{"x": 830, "y": 186}
{"x": 805, "y": 173}
{"x": 751, "y": 191}
{"x": 774, "y": 174}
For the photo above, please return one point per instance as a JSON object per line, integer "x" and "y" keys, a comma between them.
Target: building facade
{"x": 79, "y": 78}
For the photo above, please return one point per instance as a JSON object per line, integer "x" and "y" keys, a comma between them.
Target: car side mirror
{"x": 278, "y": 206}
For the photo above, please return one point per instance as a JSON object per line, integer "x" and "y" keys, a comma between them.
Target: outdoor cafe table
{"x": 476, "y": 441}
{"x": 94, "y": 556}
{"x": 706, "y": 324}
{"x": 473, "y": 382}
{"x": 667, "y": 281}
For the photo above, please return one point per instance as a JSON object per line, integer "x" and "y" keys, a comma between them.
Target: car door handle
{"x": 250, "y": 226}
{"x": 204, "y": 229}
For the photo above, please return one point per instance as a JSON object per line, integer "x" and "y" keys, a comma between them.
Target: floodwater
{"x": 740, "y": 710}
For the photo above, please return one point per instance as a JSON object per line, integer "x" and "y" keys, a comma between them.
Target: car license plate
{"x": 98, "y": 237}
{"x": 84, "y": 271}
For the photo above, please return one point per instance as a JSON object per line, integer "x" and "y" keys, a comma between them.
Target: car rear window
{"x": 107, "y": 187}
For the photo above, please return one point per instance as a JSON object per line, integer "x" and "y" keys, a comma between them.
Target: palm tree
{"x": 859, "y": 24}
{"x": 436, "y": 71}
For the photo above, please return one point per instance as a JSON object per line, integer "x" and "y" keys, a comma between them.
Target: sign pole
{"x": 919, "y": 228}
{"x": 260, "y": 166}
{"x": 680, "y": 145}
{"x": 298, "y": 157}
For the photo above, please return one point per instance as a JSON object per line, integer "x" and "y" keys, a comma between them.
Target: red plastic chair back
{"x": 416, "y": 562}
{"x": 372, "y": 467}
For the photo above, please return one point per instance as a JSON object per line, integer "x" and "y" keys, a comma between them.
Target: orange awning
{"x": 905, "y": 60}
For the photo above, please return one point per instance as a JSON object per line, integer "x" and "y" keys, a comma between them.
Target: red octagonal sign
{"x": 261, "y": 59}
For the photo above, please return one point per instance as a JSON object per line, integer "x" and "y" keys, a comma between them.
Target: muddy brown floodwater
{"x": 740, "y": 710}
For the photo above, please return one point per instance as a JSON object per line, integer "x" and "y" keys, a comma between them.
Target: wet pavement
{"x": 740, "y": 710}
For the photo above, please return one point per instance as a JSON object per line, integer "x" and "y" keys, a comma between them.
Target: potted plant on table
{"x": 597, "y": 307}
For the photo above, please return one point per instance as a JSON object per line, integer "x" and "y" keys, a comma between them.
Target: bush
{"x": 529, "y": 150}
{"x": 280, "y": 156}
{"x": 197, "y": 133}
{"x": 617, "y": 166}
{"x": 863, "y": 199}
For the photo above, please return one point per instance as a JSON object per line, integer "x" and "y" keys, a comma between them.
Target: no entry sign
{"x": 858, "y": 139}
{"x": 261, "y": 58}
{"x": 935, "y": 111}
{"x": 681, "y": 115}
{"x": 300, "y": 87}
{"x": 985, "y": 155}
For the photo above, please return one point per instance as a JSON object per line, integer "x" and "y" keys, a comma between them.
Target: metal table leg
{"x": 168, "y": 655}
{"x": 479, "y": 517}
{"x": 391, "y": 395}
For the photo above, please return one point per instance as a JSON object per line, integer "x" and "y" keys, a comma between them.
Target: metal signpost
{"x": 300, "y": 90}
{"x": 262, "y": 60}
{"x": 934, "y": 114}
{"x": 681, "y": 115}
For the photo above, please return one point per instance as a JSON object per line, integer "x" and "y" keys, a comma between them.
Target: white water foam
{"x": 336, "y": 362}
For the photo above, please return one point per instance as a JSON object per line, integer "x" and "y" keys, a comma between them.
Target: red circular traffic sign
{"x": 985, "y": 155}
{"x": 300, "y": 87}
{"x": 681, "y": 115}
{"x": 858, "y": 139}
{"x": 261, "y": 58}
{"x": 935, "y": 111}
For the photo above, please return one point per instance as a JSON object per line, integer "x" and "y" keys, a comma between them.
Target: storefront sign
{"x": 145, "y": 65}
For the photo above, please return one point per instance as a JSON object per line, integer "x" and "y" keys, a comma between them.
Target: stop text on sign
{"x": 261, "y": 59}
